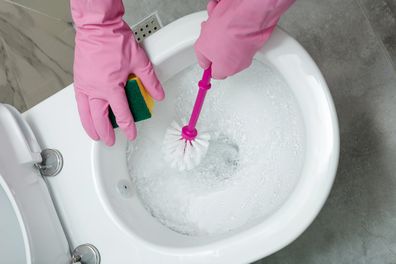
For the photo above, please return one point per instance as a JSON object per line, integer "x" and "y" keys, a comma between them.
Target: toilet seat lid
{"x": 42, "y": 232}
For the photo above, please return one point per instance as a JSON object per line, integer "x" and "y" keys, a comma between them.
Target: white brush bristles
{"x": 184, "y": 154}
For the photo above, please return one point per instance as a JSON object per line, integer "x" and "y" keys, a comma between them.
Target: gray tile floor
{"x": 354, "y": 44}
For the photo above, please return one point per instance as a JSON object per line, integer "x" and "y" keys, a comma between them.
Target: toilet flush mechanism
{"x": 51, "y": 164}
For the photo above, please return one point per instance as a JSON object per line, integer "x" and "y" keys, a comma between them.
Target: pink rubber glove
{"x": 105, "y": 54}
{"x": 235, "y": 31}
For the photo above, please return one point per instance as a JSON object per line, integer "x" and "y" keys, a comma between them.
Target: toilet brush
{"x": 184, "y": 147}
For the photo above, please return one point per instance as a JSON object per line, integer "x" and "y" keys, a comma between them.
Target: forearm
{"x": 258, "y": 15}
{"x": 88, "y": 13}
{"x": 235, "y": 31}
{"x": 256, "y": 19}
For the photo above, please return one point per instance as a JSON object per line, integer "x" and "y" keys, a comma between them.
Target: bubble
{"x": 253, "y": 161}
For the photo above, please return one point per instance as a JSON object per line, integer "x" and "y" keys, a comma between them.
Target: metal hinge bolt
{"x": 52, "y": 162}
{"x": 86, "y": 254}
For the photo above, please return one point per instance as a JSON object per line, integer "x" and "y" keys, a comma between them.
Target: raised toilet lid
{"x": 40, "y": 232}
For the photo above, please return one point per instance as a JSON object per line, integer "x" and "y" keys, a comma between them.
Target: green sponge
{"x": 139, "y": 101}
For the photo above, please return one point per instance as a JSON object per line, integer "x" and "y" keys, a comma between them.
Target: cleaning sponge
{"x": 139, "y": 101}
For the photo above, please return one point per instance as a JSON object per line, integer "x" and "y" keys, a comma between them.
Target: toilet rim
{"x": 172, "y": 41}
{"x": 51, "y": 121}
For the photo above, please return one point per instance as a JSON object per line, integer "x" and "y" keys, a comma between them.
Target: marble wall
{"x": 36, "y": 52}
{"x": 354, "y": 44}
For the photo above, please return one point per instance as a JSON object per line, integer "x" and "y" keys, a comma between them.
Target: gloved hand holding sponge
{"x": 106, "y": 54}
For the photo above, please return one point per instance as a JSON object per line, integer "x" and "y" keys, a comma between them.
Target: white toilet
{"x": 91, "y": 201}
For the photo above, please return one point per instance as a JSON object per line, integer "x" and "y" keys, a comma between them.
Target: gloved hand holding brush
{"x": 106, "y": 53}
{"x": 235, "y": 31}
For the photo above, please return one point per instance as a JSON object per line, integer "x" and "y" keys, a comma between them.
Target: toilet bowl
{"x": 95, "y": 201}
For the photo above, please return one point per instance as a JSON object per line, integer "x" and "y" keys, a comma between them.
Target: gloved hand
{"x": 235, "y": 31}
{"x": 105, "y": 54}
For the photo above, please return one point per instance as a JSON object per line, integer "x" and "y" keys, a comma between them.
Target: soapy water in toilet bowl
{"x": 253, "y": 162}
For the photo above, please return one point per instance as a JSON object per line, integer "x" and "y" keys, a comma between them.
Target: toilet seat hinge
{"x": 51, "y": 164}
{"x": 86, "y": 254}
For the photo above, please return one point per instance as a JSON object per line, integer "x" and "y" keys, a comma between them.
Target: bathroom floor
{"x": 354, "y": 44}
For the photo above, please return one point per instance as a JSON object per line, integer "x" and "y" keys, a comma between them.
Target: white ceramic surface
{"x": 94, "y": 211}
{"x": 32, "y": 230}
{"x": 12, "y": 245}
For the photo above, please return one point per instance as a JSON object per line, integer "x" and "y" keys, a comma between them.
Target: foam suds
{"x": 253, "y": 162}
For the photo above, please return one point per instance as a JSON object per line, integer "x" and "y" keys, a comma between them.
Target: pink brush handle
{"x": 204, "y": 86}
